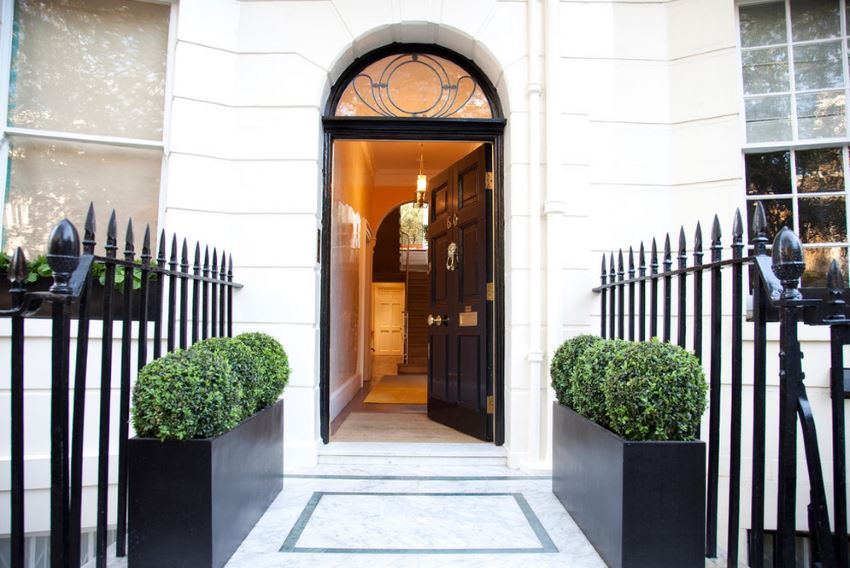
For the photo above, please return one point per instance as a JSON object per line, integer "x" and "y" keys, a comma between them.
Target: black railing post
{"x": 196, "y": 293}
{"x": 105, "y": 393}
{"x": 230, "y": 296}
{"x": 17, "y": 276}
{"x": 715, "y": 372}
{"x": 698, "y": 292}
{"x": 77, "y": 433}
{"x": 642, "y": 293}
{"x": 222, "y": 311}
{"x": 603, "y": 327}
{"x": 760, "y": 306}
{"x": 668, "y": 292}
{"x": 788, "y": 266}
{"x": 621, "y": 298}
{"x": 612, "y": 278}
{"x": 144, "y": 293}
{"x": 653, "y": 290}
{"x": 737, "y": 380}
{"x": 184, "y": 295}
{"x": 160, "y": 285}
{"x": 214, "y": 304}
{"x": 839, "y": 337}
{"x": 124, "y": 393}
{"x": 206, "y": 286}
{"x": 63, "y": 256}
{"x": 681, "y": 313}
{"x": 631, "y": 294}
{"x": 171, "y": 342}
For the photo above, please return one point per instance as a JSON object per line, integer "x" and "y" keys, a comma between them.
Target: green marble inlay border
{"x": 291, "y": 542}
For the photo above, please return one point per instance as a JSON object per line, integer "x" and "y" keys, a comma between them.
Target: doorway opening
{"x": 399, "y": 114}
{"x": 384, "y": 288}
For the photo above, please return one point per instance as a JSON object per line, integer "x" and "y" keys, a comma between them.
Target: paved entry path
{"x": 377, "y": 515}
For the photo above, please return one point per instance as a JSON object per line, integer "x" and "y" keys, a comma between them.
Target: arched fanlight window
{"x": 414, "y": 85}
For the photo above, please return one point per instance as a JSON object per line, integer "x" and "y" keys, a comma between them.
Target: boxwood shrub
{"x": 244, "y": 364}
{"x": 640, "y": 391}
{"x": 654, "y": 391}
{"x": 272, "y": 366}
{"x": 208, "y": 389}
{"x": 186, "y": 394}
{"x": 586, "y": 387}
{"x": 564, "y": 363}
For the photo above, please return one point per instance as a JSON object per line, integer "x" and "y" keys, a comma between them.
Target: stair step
{"x": 357, "y": 453}
{"x": 412, "y": 369}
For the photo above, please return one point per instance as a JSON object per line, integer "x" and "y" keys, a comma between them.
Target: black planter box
{"x": 192, "y": 502}
{"x": 641, "y": 504}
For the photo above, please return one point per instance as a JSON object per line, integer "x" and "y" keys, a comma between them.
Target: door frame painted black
{"x": 416, "y": 129}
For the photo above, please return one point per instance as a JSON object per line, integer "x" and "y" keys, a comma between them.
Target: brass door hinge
{"x": 489, "y": 181}
{"x": 491, "y": 404}
{"x": 491, "y": 292}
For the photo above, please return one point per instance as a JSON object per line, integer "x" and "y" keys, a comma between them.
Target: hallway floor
{"x": 361, "y": 421}
{"x": 410, "y": 515}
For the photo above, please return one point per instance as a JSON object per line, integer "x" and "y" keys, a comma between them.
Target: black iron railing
{"x": 776, "y": 298}
{"x": 211, "y": 303}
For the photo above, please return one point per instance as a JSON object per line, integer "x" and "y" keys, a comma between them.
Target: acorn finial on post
{"x": 788, "y": 262}
{"x": 63, "y": 255}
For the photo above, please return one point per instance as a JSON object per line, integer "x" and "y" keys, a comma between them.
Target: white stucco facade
{"x": 624, "y": 121}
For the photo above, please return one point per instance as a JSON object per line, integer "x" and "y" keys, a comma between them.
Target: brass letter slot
{"x": 468, "y": 319}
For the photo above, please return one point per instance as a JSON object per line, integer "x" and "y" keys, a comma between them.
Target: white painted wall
{"x": 649, "y": 136}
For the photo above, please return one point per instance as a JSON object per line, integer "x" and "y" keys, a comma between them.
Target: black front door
{"x": 459, "y": 236}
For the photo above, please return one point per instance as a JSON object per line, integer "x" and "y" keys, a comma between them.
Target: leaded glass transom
{"x": 414, "y": 85}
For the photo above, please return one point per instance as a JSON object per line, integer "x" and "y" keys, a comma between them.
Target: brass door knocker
{"x": 451, "y": 257}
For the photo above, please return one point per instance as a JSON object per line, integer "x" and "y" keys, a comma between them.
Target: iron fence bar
{"x": 59, "y": 490}
{"x": 77, "y": 433}
{"x": 603, "y": 299}
{"x": 690, "y": 269}
{"x": 124, "y": 394}
{"x": 698, "y": 254}
{"x": 736, "y": 393}
{"x": 171, "y": 340}
{"x": 105, "y": 394}
{"x": 760, "y": 306}
{"x": 681, "y": 313}
{"x": 230, "y": 296}
{"x": 196, "y": 293}
{"x": 17, "y": 274}
{"x": 144, "y": 298}
{"x": 839, "y": 338}
{"x": 621, "y": 298}
{"x": 157, "y": 326}
{"x": 184, "y": 296}
{"x": 612, "y": 277}
{"x": 668, "y": 293}
{"x": 715, "y": 371}
{"x": 631, "y": 295}
{"x": 653, "y": 291}
{"x": 642, "y": 293}
{"x": 221, "y": 295}
{"x": 214, "y": 304}
{"x": 206, "y": 287}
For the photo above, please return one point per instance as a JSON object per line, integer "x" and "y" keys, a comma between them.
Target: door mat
{"x": 399, "y": 389}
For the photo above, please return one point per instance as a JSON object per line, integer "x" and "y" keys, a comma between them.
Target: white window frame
{"x": 7, "y": 17}
{"x": 796, "y": 144}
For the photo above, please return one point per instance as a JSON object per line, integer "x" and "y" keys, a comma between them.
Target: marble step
{"x": 356, "y": 453}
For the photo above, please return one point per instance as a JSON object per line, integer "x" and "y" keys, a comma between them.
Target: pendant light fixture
{"x": 421, "y": 181}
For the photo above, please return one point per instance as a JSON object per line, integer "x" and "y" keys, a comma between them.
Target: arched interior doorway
{"x": 395, "y": 111}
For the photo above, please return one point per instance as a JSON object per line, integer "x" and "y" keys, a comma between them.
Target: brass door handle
{"x": 438, "y": 320}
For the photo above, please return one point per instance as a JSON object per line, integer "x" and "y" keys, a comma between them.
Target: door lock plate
{"x": 491, "y": 404}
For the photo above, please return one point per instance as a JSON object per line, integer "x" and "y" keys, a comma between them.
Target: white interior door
{"x": 388, "y": 322}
